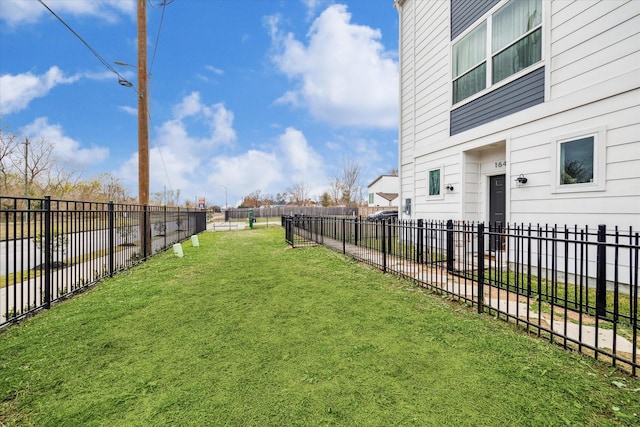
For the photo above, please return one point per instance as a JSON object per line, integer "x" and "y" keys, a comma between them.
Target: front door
{"x": 497, "y": 205}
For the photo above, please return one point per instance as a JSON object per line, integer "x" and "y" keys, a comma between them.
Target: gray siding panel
{"x": 465, "y": 12}
{"x": 518, "y": 95}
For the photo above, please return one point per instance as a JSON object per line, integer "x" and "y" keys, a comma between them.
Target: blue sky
{"x": 247, "y": 94}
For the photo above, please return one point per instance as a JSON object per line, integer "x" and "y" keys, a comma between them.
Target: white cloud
{"x": 193, "y": 152}
{"x": 344, "y": 75}
{"x": 216, "y": 117}
{"x": 312, "y": 6}
{"x": 129, "y": 110}
{"x": 245, "y": 173}
{"x": 180, "y": 160}
{"x": 15, "y": 12}
{"x": 19, "y": 90}
{"x": 183, "y": 145}
{"x": 291, "y": 160}
{"x": 64, "y": 147}
{"x": 301, "y": 159}
{"x": 214, "y": 70}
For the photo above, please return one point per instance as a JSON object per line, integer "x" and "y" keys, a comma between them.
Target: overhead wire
{"x": 121, "y": 79}
{"x": 163, "y": 4}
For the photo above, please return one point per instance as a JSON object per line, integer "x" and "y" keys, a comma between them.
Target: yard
{"x": 245, "y": 330}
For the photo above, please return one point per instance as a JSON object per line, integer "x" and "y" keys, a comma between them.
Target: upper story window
{"x": 504, "y": 43}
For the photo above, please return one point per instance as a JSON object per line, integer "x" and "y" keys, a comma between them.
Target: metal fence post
{"x": 344, "y": 236}
{"x": 601, "y": 272}
{"x": 390, "y": 235}
{"x": 164, "y": 224}
{"x": 145, "y": 227}
{"x": 480, "y": 267}
{"x": 112, "y": 231}
{"x": 384, "y": 248}
{"x": 47, "y": 252}
{"x": 450, "y": 246}
{"x": 420, "y": 242}
{"x": 355, "y": 230}
{"x": 529, "y": 262}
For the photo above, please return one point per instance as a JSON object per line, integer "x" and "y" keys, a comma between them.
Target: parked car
{"x": 383, "y": 216}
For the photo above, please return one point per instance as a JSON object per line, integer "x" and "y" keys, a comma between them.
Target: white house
{"x": 520, "y": 110}
{"x": 383, "y": 191}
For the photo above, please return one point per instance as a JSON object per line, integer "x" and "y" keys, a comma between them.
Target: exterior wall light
{"x": 521, "y": 179}
{"x": 449, "y": 187}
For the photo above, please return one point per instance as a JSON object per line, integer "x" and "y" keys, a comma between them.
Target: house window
{"x": 576, "y": 161}
{"x": 469, "y": 64}
{"x": 434, "y": 182}
{"x": 435, "y": 189}
{"x": 579, "y": 162}
{"x": 371, "y": 196}
{"x": 515, "y": 38}
{"x": 510, "y": 38}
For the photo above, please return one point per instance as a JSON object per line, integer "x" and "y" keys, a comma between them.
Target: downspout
{"x": 397, "y": 4}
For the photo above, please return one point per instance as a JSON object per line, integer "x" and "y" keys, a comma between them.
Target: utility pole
{"x": 143, "y": 129}
{"x": 26, "y": 167}
{"x": 143, "y": 119}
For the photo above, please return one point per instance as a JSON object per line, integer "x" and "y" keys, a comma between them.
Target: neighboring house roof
{"x": 388, "y": 196}
{"x": 380, "y": 177}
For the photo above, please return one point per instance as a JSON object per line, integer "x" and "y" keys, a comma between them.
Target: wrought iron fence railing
{"x": 50, "y": 249}
{"x": 574, "y": 286}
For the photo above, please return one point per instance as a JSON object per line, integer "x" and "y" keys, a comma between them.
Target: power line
{"x": 163, "y": 5}
{"x": 164, "y": 166}
{"x": 121, "y": 79}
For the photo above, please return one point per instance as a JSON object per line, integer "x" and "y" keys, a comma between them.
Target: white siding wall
{"x": 592, "y": 42}
{"x": 592, "y": 58}
{"x": 531, "y": 154}
{"x": 424, "y": 52}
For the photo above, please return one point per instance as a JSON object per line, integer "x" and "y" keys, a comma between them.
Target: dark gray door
{"x": 497, "y": 204}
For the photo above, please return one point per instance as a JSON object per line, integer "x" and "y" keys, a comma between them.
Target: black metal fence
{"x": 278, "y": 211}
{"x": 577, "y": 287}
{"x": 50, "y": 249}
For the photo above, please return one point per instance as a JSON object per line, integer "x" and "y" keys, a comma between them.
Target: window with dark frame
{"x": 514, "y": 43}
{"x": 434, "y": 182}
{"x": 577, "y": 161}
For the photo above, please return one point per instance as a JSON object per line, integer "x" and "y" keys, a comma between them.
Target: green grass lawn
{"x": 245, "y": 331}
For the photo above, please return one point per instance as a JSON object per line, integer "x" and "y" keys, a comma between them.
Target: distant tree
{"x": 299, "y": 193}
{"x": 326, "y": 200}
{"x": 166, "y": 198}
{"x": 57, "y": 246}
{"x": 7, "y": 174}
{"x": 335, "y": 190}
{"x": 253, "y": 200}
{"x": 348, "y": 184}
{"x": 112, "y": 188}
{"x": 35, "y": 159}
{"x": 62, "y": 181}
{"x": 281, "y": 198}
{"x": 268, "y": 200}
